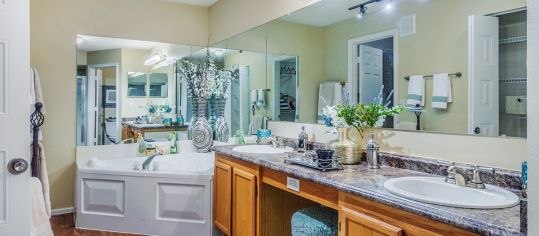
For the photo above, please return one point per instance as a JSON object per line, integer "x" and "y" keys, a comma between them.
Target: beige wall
{"x": 231, "y": 17}
{"x": 440, "y": 45}
{"x": 54, "y": 26}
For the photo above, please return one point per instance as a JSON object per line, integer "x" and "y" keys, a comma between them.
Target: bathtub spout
{"x": 146, "y": 164}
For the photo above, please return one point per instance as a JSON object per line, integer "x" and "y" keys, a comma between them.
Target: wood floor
{"x": 64, "y": 225}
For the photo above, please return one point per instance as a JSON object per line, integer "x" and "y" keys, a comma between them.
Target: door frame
{"x": 276, "y": 96}
{"x": 118, "y": 95}
{"x": 353, "y": 61}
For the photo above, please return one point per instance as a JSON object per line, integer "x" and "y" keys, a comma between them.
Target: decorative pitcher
{"x": 346, "y": 148}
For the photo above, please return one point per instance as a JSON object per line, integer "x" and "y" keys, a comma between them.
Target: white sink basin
{"x": 261, "y": 149}
{"x": 436, "y": 191}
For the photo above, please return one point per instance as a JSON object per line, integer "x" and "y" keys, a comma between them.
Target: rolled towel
{"x": 416, "y": 91}
{"x": 441, "y": 91}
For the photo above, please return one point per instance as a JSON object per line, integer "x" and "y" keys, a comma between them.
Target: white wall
{"x": 533, "y": 114}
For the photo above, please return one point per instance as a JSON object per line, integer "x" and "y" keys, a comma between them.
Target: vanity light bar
{"x": 458, "y": 75}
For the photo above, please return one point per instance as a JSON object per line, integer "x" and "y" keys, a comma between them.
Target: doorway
{"x": 285, "y": 84}
{"x": 372, "y": 74}
{"x": 97, "y": 109}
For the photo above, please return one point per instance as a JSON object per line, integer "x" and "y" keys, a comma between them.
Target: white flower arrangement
{"x": 204, "y": 80}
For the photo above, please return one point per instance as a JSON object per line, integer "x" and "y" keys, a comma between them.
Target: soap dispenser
{"x": 302, "y": 139}
{"x": 372, "y": 153}
{"x": 141, "y": 144}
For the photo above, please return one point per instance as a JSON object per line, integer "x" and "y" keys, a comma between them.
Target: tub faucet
{"x": 146, "y": 163}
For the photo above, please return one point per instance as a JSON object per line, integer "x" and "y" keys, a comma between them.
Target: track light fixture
{"x": 363, "y": 7}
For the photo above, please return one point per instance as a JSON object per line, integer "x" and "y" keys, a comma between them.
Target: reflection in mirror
{"x": 149, "y": 100}
{"x": 136, "y": 84}
{"x": 158, "y": 84}
{"x": 465, "y": 76}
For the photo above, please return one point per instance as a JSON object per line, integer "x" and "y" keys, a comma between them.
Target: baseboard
{"x": 62, "y": 211}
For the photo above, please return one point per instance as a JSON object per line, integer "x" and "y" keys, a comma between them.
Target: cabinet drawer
{"x": 313, "y": 191}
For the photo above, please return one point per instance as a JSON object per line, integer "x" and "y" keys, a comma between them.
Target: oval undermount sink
{"x": 436, "y": 191}
{"x": 261, "y": 149}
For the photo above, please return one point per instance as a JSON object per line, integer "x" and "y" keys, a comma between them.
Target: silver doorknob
{"x": 17, "y": 166}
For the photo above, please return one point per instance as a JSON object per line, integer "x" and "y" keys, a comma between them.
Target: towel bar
{"x": 458, "y": 75}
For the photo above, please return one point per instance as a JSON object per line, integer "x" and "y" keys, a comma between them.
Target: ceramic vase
{"x": 346, "y": 148}
{"x": 213, "y": 115}
{"x": 221, "y": 131}
{"x": 201, "y": 133}
{"x": 194, "y": 111}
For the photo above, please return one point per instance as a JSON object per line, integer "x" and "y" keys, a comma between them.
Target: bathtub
{"x": 174, "y": 197}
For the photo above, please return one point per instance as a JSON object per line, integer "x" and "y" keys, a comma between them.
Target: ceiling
{"x": 172, "y": 51}
{"x": 94, "y": 43}
{"x": 327, "y": 12}
{"x": 203, "y": 3}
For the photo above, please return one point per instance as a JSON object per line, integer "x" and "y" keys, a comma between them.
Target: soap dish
{"x": 310, "y": 160}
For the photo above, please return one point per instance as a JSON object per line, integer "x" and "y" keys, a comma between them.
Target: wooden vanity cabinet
{"x": 361, "y": 217}
{"x": 242, "y": 188}
{"x": 236, "y": 197}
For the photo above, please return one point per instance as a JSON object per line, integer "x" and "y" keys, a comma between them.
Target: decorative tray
{"x": 310, "y": 159}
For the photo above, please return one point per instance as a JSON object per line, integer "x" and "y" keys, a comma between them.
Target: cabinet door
{"x": 353, "y": 223}
{"x": 222, "y": 190}
{"x": 243, "y": 203}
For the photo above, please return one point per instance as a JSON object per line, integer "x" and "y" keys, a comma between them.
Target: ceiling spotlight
{"x": 362, "y": 11}
{"x": 218, "y": 52}
{"x": 389, "y": 5}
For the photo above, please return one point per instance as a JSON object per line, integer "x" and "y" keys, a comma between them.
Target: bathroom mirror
{"x": 478, "y": 57}
{"x": 141, "y": 75}
{"x": 158, "y": 82}
{"x": 136, "y": 84}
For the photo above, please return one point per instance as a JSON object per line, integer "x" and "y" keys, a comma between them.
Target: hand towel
{"x": 40, "y": 218}
{"x": 254, "y": 97}
{"x": 44, "y": 179}
{"x": 325, "y": 98}
{"x": 441, "y": 91}
{"x": 36, "y": 94}
{"x": 416, "y": 91}
{"x": 261, "y": 98}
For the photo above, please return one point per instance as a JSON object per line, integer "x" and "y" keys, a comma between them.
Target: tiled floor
{"x": 64, "y": 225}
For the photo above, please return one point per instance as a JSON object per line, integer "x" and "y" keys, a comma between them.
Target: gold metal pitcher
{"x": 346, "y": 148}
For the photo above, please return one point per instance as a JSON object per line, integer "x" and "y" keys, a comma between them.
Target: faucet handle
{"x": 484, "y": 168}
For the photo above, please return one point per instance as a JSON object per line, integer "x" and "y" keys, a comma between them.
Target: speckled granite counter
{"x": 368, "y": 183}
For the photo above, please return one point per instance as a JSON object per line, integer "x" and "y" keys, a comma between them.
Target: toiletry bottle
{"x": 240, "y": 139}
{"x": 174, "y": 144}
{"x": 302, "y": 139}
{"x": 372, "y": 153}
{"x": 141, "y": 144}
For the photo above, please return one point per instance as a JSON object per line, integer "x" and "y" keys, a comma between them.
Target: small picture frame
{"x": 109, "y": 96}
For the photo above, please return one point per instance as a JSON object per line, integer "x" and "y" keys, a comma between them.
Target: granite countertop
{"x": 369, "y": 183}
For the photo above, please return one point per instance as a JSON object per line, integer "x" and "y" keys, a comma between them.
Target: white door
{"x": 94, "y": 83}
{"x": 14, "y": 115}
{"x": 370, "y": 73}
{"x": 483, "y": 75}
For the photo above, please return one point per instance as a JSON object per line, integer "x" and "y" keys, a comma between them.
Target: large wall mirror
{"x": 466, "y": 75}
{"x": 141, "y": 75}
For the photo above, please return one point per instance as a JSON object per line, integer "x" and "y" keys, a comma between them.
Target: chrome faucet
{"x": 146, "y": 163}
{"x": 275, "y": 143}
{"x": 459, "y": 176}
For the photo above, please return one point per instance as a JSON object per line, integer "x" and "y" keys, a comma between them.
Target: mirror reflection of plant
{"x": 204, "y": 80}
{"x": 372, "y": 115}
{"x": 152, "y": 108}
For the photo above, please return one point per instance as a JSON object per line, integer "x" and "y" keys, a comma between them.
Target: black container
{"x": 325, "y": 157}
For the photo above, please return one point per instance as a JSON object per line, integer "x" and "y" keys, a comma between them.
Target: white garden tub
{"x": 174, "y": 199}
